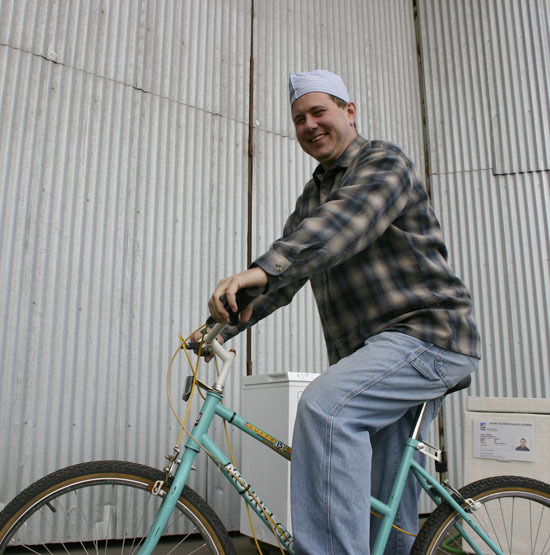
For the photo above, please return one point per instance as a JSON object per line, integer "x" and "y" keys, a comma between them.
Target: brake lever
{"x": 195, "y": 345}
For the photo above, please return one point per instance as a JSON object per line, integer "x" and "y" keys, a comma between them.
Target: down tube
{"x": 239, "y": 482}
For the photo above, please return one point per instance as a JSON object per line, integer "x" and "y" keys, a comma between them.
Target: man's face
{"x": 324, "y": 130}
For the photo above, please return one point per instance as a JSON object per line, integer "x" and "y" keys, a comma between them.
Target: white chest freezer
{"x": 269, "y": 401}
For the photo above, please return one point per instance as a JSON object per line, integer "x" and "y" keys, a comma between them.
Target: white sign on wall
{"x": 506, "y": 440}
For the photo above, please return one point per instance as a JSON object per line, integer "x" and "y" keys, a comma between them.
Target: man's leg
{"x": 337, "y": 414}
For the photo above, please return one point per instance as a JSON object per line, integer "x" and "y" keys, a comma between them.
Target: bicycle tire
{"x": 515, "y": 512}
{"x": 104, "y": 503}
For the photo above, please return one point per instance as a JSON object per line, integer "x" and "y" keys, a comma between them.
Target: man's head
{"x": 323, "y": 115}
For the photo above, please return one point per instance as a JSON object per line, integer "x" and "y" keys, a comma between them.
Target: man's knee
{"x": 316, "y": 396}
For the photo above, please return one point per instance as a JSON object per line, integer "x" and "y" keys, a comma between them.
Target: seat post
{"x": 420, "y": 414}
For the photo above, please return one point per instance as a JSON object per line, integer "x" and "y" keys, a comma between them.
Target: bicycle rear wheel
{"x": 92, "y": 506}
{"x": 514, "y": 512}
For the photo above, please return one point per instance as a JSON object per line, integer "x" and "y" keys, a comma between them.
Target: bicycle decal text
{"x": 271, "y": 441}
{"x": 243, "y": 487}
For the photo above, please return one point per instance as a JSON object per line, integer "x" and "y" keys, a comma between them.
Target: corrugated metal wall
{"x": 123, "y": 162}
{"x": 487, "y": 85}
{"x": 123, "y": 158}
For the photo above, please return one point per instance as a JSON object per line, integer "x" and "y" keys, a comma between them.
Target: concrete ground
{"x": 245, "y": 546}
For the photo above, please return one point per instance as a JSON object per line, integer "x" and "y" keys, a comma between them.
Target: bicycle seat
{"x": 462, "y": 384}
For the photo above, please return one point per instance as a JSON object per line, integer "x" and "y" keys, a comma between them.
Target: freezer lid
{"x": 278, "y": 378}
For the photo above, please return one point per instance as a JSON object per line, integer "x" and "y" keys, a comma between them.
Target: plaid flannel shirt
{"x": 364, "y": 234}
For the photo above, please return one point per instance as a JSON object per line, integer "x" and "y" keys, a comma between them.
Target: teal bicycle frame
{"x": 213, "y": 406}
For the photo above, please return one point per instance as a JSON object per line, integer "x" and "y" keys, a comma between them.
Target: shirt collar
{"x": 345, "y": 159}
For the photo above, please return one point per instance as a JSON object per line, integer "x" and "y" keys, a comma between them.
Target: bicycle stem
{"x": 227, "y": 357}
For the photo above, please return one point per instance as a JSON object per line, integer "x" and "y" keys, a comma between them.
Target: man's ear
{"x": 352, "y": 111}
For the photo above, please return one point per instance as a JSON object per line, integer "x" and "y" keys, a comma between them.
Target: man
{"x": 397, "y": 323}
{"x": 522, "y": 445}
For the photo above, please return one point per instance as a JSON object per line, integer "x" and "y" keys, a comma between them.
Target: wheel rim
{"x": 88, "y": 514}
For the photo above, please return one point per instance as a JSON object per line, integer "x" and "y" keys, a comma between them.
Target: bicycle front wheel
{"x": 92, "y": 506}
{"x": 514, "y": 511}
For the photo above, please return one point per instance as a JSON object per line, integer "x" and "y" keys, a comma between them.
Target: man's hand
{"x": 197, "y": 338}
{"x": 228, "y": 287}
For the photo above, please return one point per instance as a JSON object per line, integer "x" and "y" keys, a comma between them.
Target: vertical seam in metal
{"x": 422, "y": 89}
{"x": 250, "y": 175}
{"x": 425, "y": 141}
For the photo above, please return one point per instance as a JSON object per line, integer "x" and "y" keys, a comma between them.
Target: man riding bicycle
{"x": 397, "y": 322}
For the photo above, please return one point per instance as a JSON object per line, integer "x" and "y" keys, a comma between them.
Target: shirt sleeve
{"x": 265, "y": 305}
{"x": 373, "y": 193}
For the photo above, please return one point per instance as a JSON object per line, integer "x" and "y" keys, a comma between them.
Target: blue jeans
{"x": 351, "y": 425}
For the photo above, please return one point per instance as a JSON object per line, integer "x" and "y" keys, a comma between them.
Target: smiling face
{"x": 323, "y": 129}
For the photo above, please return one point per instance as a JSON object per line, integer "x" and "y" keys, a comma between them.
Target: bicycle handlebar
{"x": 210, "y": 346}
{"x": 243, "y": 297}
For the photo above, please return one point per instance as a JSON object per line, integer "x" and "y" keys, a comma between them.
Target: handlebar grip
{"x": 243, "y": 297}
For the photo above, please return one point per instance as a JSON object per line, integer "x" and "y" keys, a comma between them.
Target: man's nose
{"x": 311, "y": 122}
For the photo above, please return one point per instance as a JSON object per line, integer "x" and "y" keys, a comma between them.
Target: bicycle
{"x": 134, "y": 506}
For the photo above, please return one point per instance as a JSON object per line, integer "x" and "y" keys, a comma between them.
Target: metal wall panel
{"x": 453, "y": 48}
{"x": 500, "y": 239}
{"x": 120, "y": 208}
{"x": 498, "y": 234}
{"x": 100, "y": 38}
{"x": 488, "y": 80}
{"x": 123, "y": 158}
{"x": 518, "y": 41}
{"x": 193, "y": 52}
{"x": 476, "y": 57}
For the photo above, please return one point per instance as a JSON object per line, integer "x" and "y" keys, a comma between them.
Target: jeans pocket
{"x": 454, "y": 367}
{"x": 424, "y": 364}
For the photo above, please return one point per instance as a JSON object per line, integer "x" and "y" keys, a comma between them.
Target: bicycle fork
{"x": 192, "y": 449}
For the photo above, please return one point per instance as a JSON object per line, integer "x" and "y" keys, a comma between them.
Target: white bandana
{"x": 318, "y": 80}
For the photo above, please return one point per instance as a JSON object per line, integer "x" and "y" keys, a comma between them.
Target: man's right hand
{"x": 227, "y": 289}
